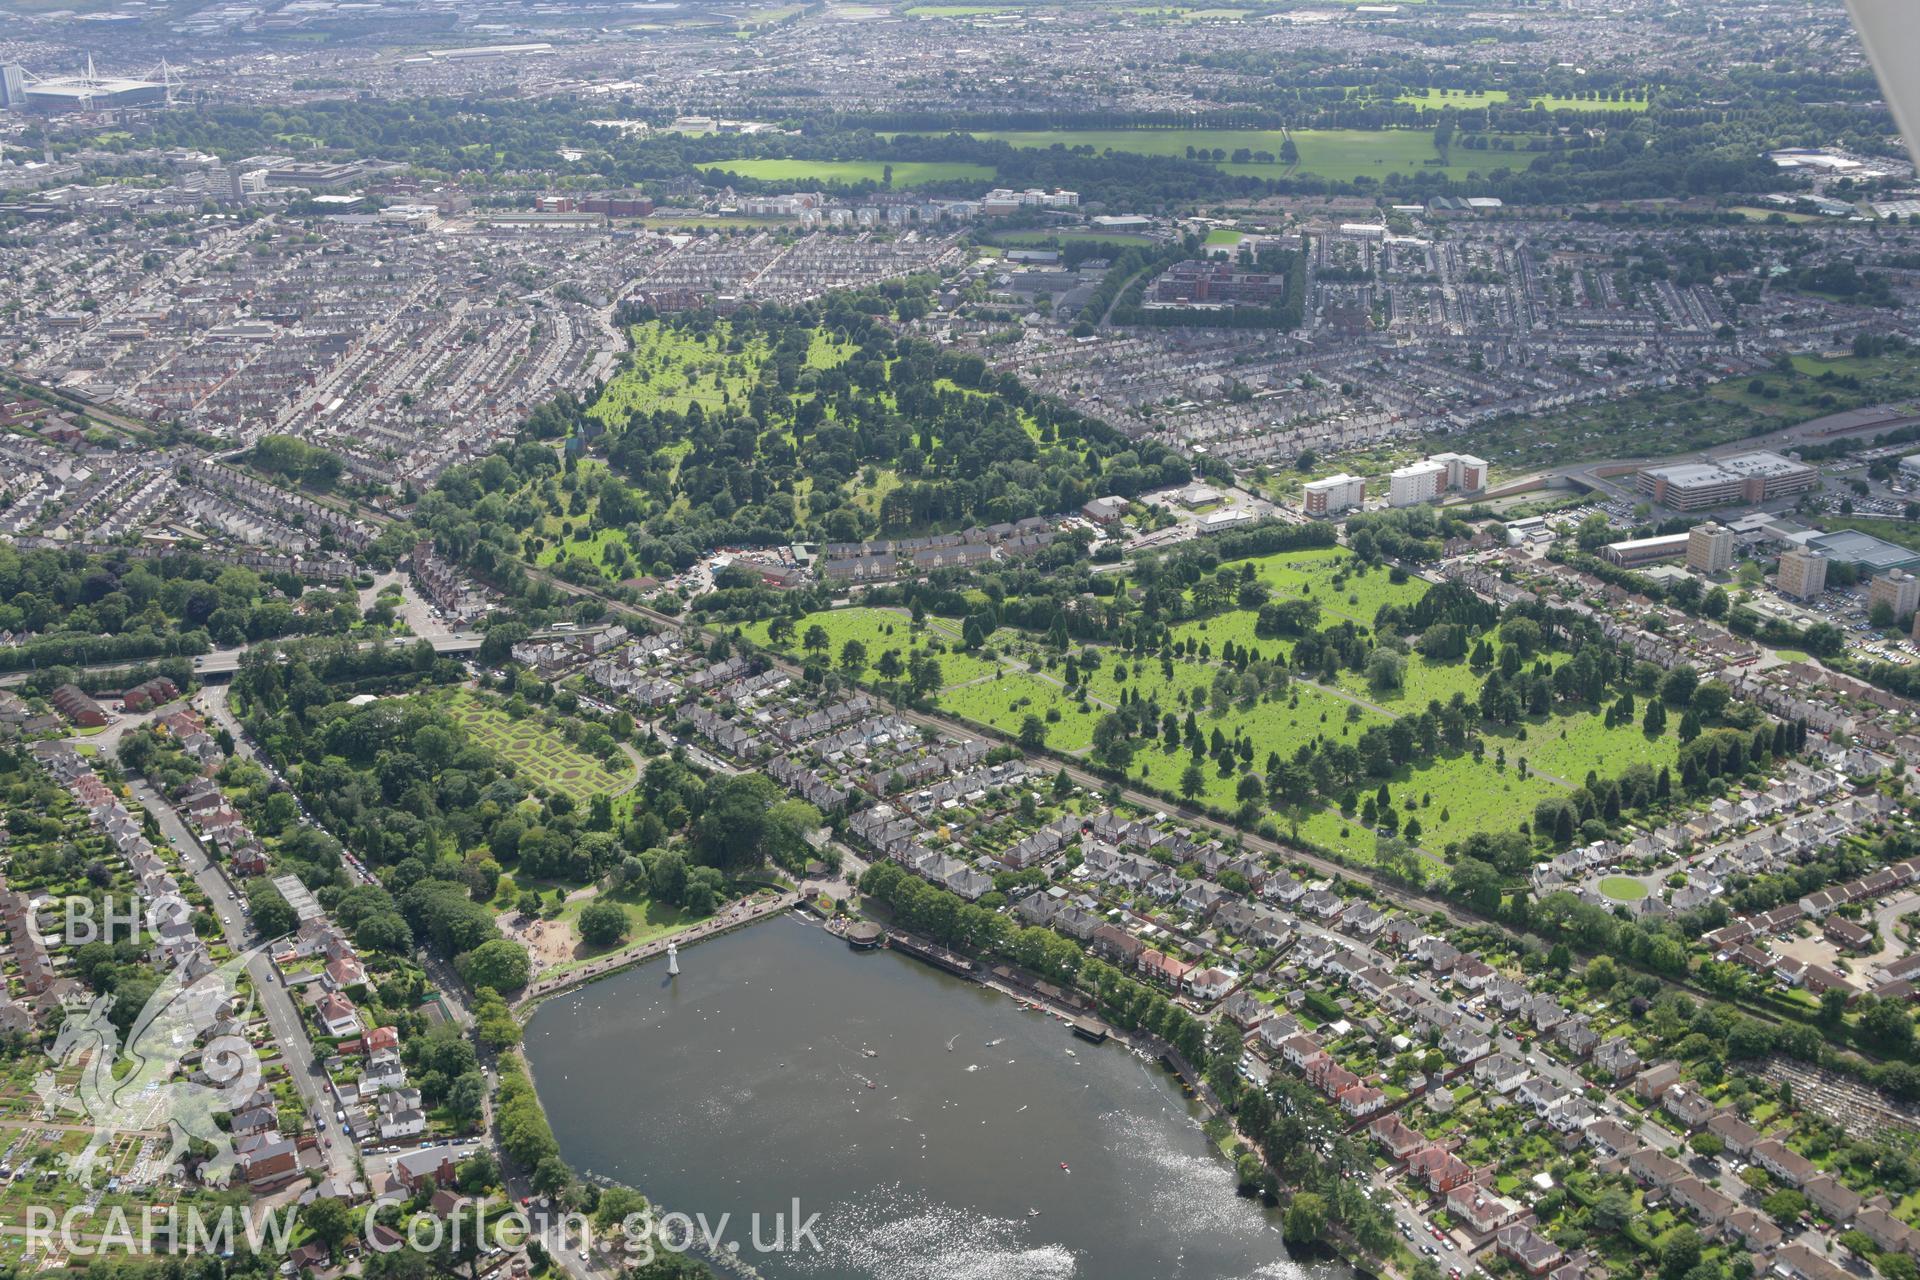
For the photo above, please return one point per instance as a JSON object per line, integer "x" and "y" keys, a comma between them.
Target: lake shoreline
{"x": 1170, "y": 1131}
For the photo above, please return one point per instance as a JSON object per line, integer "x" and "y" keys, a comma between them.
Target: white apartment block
{"x": 1333, "y": 495}
{"x": 1465, "y": 473}
{"x": 1416, "y": 482}
{"x": 1006, "y": 200}
{"x": 1427, "y": 479}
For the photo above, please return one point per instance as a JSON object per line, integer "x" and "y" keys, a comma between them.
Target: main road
{"x": 224, "y": 662}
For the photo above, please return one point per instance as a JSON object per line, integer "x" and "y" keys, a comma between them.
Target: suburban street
{"x": 283, "y": 1019}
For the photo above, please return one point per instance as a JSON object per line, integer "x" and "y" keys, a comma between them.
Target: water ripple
{"x": 900, "y": 1235}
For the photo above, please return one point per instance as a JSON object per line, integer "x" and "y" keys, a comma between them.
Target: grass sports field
{"x": 1452, "y": 795}
{"x": 1337, "y": 154}
{"x": 1119, "y": 241}
{"x": 1176, "y": 14}
{"x": 960, "y": 10}
{"x": 540, "y": 755}
{"x": 1435, "y": 99}
{"x": 906, "y": 173}
{"x": 1459, "y": 99}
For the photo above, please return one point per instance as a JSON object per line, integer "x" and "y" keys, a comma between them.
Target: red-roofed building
{"x": 337, "y": 1015}
{"x": 1397, "y": 1136}
{"x": 346, "y": 971}
{"x": 77, "y": 707}
{"x": 1439, "y": 1168}
{"x": 1330, "y": 1077}
{"x": 1158, "y": 964}
{"x": 152, "y": 693}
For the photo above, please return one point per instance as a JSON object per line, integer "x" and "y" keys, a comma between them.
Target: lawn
{"x": 671, "y": 368}
{"x": 1177, "y": 13}
{"x": 1278, "y": 725}
{"x": 869, "y": 494}
{"x": 1461, "y": 99}
{"x": 1344, "y": 587}
{"x": 1119, "y": 240}
{"x": 1223, "y": 237}
{"x": 647, "y": 918}
{"x": 538, "y": 754}
{"x": 1345, "y": 592}
{"x": 1554, "y": 102}
{"x": 1622, "y": 888}
{"x": 1008, "y": 699}
{"x": 1453, "y": 796}
{"x": 1570, "y": 744}
{"x": 880, "y": 630}
{"x": 1426, "y": 681}
{"x": 556, "y": 536}
{"x": 906, "y": 173}
{"x": 587, "y": 543}
{"x": 1341, "y": 155}
{"x": 1752, "y": 214}
{"x": 1335, "y": 154}
{"x": 960, "y": 10}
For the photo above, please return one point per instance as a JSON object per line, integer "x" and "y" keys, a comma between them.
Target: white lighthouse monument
{"x": 673, "y": 959}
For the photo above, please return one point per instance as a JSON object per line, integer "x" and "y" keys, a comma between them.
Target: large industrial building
{"x": 1217, "y": 284}
{"x": 1870, "y": 555}
{"x": 1743, "y": 478}
{"x": 20, "y": 90}
{"x": 1639, "y": 551}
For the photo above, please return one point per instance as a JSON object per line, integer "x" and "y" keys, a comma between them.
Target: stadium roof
{"x": 100, "y": 87}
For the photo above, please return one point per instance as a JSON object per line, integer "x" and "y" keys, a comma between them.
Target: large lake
{"x": 922, "y": 1117}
